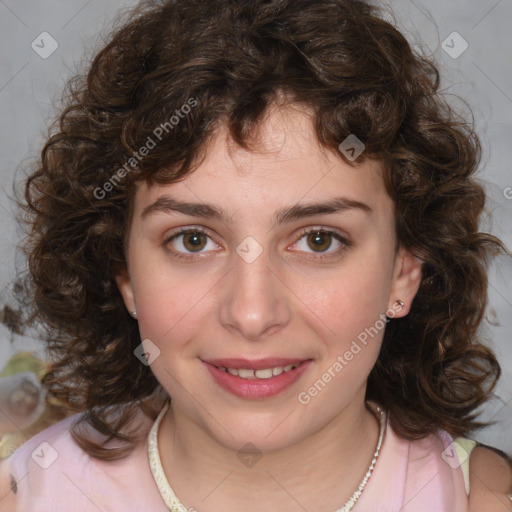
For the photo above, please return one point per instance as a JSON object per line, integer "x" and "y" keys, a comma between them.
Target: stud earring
{"x": 134, "y": 313}
{"x": 400, "y": 303}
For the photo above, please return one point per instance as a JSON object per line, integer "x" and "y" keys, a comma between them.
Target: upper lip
{"x": 255, "y": 364}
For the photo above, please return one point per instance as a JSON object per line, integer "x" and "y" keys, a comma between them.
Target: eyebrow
{"x": 166, "y": 204}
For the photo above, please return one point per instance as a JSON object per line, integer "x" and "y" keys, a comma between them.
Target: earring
{"x": 134, "y": 313}
{"x": 400, "y": 303}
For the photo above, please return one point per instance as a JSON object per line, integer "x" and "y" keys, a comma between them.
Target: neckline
{"x": 155, "y": 463}
{"x": 169, "y": 496}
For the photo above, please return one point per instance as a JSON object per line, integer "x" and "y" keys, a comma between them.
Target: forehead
{"x": 286, "y": 164}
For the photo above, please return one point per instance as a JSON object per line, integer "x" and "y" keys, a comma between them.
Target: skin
{"x": 222, "y": 306}
{"x": 286, "y": 303}
{"x": 490, "y": 479}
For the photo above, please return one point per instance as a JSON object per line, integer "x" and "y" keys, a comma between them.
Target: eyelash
{"x": 306, "y": 231}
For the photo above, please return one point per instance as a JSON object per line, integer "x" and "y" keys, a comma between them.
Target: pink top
{"x": 51, "y": 473}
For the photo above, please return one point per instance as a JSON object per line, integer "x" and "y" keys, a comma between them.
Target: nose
{"x": 255, "y": 303}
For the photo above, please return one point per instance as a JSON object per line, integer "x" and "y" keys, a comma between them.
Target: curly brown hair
{"x": 230, "y": 60}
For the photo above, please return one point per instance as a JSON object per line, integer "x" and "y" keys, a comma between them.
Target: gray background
{"x": 30, "y": 88}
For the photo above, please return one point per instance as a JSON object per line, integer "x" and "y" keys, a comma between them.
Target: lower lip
{"x": 257, "y": 388}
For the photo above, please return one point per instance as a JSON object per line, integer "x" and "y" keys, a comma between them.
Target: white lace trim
{"x": 174, "y": 504}
{"x": 170, "y": 499}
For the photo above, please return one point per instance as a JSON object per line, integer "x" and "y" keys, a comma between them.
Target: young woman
{"x": 254, "y": 242}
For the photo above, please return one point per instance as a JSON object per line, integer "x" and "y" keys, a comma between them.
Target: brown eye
{"x": 319, "y": 241}
{"x": 190, "y": 243}
{"x": 194, "y": 241}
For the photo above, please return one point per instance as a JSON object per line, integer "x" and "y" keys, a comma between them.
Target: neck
{"x": 319, "y": 472}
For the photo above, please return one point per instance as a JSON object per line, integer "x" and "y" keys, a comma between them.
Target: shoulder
{"x": 51, "y": 472}
{"x": 7, "y": 488}
{"x": 490, "y": 473}
{"x": 39, "y": 453}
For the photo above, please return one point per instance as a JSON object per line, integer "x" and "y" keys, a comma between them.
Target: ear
{"x": 407, "y": 277}
{"x": 124, "y": 286}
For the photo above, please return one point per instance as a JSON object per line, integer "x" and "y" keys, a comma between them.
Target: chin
{"x": 253, "y": 434}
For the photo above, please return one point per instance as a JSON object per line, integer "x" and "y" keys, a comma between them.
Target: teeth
{"x": 277, "y": 370}
{"x": 265, "y": 373}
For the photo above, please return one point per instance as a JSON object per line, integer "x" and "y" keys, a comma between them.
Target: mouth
{"x": 263, "y": 373}
{"x": 258, "y": 378}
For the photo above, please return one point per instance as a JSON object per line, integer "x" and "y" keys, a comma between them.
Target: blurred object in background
{"x": 25, "y": 407}
{"x": 11, "y": 318}
{"x": 22, "y": 401}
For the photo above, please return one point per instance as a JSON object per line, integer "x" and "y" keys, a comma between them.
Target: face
{"x": 289, "y": 296}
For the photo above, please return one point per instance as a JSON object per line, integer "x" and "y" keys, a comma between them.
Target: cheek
{"x": 172, "y": 305}
{"x": 353, "y": 322}
{"x": 164, "y": 307}
{"x": 347, "y": 311}
{"x": 351, "y": 299}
